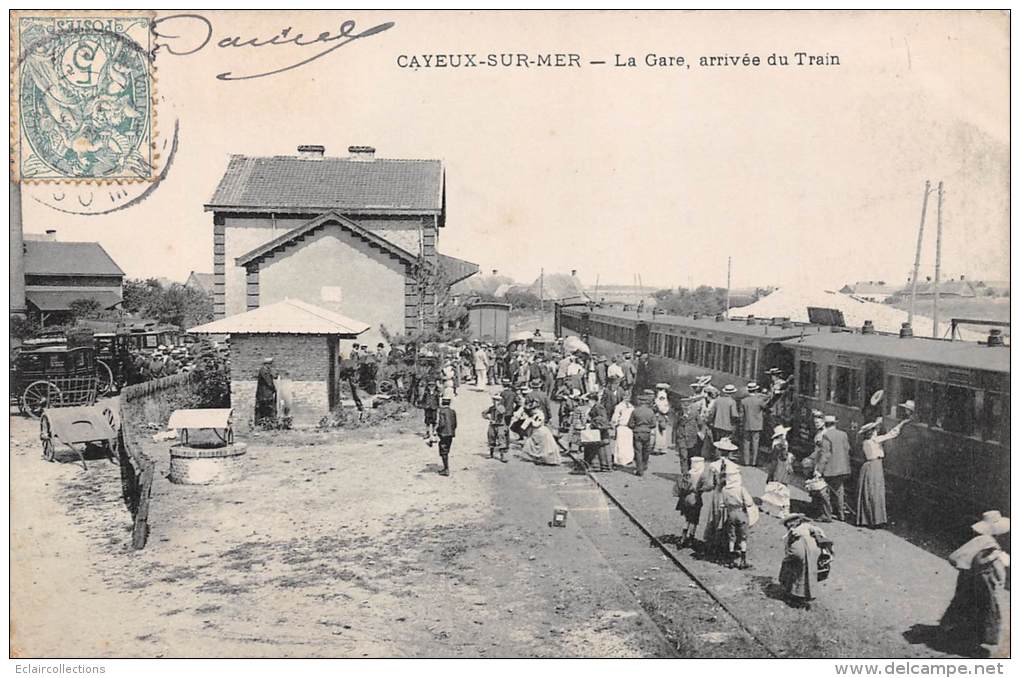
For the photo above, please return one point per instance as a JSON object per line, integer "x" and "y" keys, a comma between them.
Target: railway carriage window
{"x": 844, "y": 386}
{"x": 908, "y": 391}
{"x": 926, "y": 402}
{"x": 991, "y": 415}
{"x": 955, "y": 409}
{"x": 808, "y": 384}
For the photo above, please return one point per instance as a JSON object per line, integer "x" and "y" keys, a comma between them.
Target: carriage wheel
{"x": 46, "y": 436}
{"x": 39, "y": 395}
{"x": 104, "y": 379}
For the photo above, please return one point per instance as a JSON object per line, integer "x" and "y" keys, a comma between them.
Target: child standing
{"x": 430, "y": 403}
{"x": 498, "y": 434}
{"x": 446, "y": 429}
{"x": 777, "y": 491}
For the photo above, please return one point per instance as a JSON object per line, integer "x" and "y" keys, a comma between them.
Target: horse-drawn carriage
{"x": 54, "y": 376}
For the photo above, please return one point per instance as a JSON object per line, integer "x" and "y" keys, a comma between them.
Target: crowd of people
{"x": 600, "y": 412}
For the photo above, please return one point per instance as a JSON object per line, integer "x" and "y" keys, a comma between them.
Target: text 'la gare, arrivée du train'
{"x": 575, "y": 60}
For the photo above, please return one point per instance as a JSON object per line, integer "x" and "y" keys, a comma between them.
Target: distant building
{"x": 959, "y": 288}
{"x": 354, "y": 235}
{"x": 870, "y": 290}
{"x": 59, "y": 273}
{"x": 203, "y": 282}
{"x": 559, "y": 287}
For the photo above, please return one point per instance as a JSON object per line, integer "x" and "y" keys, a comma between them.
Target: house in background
{"x": 355, "y": 235}
{"x": 203, "y": 282}
{"x": 960, "y": 288}
{"x": 870, "y": 290}
{"x": 59, "y": 273}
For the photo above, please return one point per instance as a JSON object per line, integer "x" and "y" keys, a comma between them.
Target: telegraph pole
{"x": 541, "y": 294}
{"x": 729, "y": 271}
{"x": 917, "y": 255}
{"x": 938, "y": 269}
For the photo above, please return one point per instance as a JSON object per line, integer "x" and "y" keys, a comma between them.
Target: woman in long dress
{"x": 871, "y": 482}
{"x": 798, "y": 574}
{"x": 780, "y": 471}
{"x": 623, "y": 448}
{"x": 709, "y": 534}
{"x": 663, "y": 420}
{"x": 541, "y": 446}
{"x": 974, "y": 617}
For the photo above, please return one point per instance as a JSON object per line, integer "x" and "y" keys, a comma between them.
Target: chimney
{"x": 365, "y": 153}
{"x": 750, "y": 320}
{"x": 51, "y": 234}
{"x": 906, "y": 331}
{"x": 995, "y": 338}
{"x": 696, "y": 316}
{"x": 573, "y": 273}
{"x": 495, "y": 271}
{"x": 311, "y": 151}
{"x": 869, "y": 327}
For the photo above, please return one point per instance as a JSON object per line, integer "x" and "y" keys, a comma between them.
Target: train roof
{"x": 709, "y": 324}
{"x": 965, "y": 354}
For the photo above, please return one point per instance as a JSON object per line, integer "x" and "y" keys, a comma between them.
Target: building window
{"x": 808, "y": 385}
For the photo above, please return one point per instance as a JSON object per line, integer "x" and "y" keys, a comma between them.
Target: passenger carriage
{"x": 53, "y": 376}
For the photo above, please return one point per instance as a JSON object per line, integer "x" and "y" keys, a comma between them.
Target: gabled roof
{"x": 290, "y": 316}
{"x": 456, "y": 269}
{"x": 292, "y": 183}
{"x": 47, "y": 257}
{"x": 307, "y": 228}
{"x": 60, "y": 300}
{"x": 204, "y": 281}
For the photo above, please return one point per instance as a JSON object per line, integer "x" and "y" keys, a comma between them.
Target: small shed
{"x": 489, "y": 321}
{"x": 304, "y": 342}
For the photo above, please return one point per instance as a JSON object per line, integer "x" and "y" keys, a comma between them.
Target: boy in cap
{"x": 498, "y": 435}
{"x": 446, "y": 429}
{"x": 430, "y": 404}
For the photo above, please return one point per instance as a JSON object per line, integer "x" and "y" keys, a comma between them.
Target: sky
{"x": 802, "y": 175}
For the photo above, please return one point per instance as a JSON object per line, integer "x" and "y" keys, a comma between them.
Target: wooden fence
{"x": 136, "y": 468}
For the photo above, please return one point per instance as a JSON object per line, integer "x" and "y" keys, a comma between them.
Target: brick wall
{"x": 302, "y": 360}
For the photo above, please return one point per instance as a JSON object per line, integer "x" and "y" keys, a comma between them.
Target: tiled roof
{"x": 319, "y": 184}
{"x": 290, "y": 316}
{"x": 456, "y": 269}
{"x": 60, "y": 300}
{"x": 306, "y": 228}
{"x": 204, "y": 281}
{"x": 45, "y": 257}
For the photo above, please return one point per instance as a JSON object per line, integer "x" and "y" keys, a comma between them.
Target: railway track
{"x": 677, "y": 563}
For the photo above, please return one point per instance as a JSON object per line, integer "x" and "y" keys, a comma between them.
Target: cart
{"x": 73, "y": 426}
{"x": 54, "y": 376}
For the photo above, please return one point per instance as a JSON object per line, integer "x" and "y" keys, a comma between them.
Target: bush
{"x": 212, "y": 378}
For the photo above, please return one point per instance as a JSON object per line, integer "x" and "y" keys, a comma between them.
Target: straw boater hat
{"x": 774, "y": 370}
{"x": 725, "y": 444}
{"x": 795, "y": 517}
{"x": 991, "y": 523}
{"x": 867, "y": 428}
{"x": 267, "y": 360}
{"x": 697, "y": 386}
{"x": 830, "y": 419}
{"x": 444, "y": 401}
{"x": 752, "y": 386}
{"x": 662, "y": 386}
{"x": 877, "y": 396}
{"x": 729, "y": 389}
{"x": 909, "y": 406}
{"x": 779, "y": 431}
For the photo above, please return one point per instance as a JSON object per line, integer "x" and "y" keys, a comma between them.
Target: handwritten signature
{"x": 184, "y": 34}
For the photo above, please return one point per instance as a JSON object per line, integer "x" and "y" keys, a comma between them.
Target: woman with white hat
{"x": 871, "y": 481}
{"x": 777, "y": 491}
{"x": 709, "y": 533}
{"x": 974, "y": 617}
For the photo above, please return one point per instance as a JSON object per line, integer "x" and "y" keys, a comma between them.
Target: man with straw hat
{"x": 724, "y": 413}
{"x": 708, "y": 535}
{"x": 752, "y": 415}
{"x": 974, "y": 617}
{"x": 833, "y": 465}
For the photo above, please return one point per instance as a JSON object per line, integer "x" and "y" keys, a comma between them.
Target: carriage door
{"x": 874, "y": 380}
{"x": 641, "y": 333}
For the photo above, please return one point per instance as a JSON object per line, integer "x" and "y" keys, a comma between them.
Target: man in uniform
{"x": 265, "y": 392}
{"x": 753, "y": 410}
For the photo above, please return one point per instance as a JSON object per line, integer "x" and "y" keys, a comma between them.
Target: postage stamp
{"x": 82, "y": 97}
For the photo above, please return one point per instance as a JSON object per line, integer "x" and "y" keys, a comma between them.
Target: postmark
{"x": 82, "y": 98}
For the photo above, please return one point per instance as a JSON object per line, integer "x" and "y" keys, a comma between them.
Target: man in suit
{"x": 643, "y": 423}
{"x": 834, "y": 465}
{"x": 265, "y": 392}
{"x": 724, "y": 414}
{"x": 753, "y": 409}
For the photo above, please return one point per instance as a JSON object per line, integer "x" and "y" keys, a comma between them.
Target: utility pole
{"x": 541, "y": 294}
{"x": 917, "y": 255}
{"x": 938, "y": 269}
{"x": 729, "y": 271}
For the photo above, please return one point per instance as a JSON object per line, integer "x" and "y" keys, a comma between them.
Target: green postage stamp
{"x": 82, "y": 97}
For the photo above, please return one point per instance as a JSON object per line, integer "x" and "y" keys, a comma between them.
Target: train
{"x": 956, "y": 453}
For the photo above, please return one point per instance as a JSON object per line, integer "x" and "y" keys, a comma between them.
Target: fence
{"x": 137, "y": 469}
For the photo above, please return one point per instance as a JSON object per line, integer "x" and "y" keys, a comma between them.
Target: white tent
{"x": 793, "y": 303}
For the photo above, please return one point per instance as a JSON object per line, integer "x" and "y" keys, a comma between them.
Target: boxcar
{"x": 489, "y": 321}
{"x": 956, "y": 455}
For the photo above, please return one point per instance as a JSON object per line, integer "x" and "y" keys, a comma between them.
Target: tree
{"x": 82, "y": 309}
{"x": 521, "y": 299}
{"x": 703, "y": 300}
{"x": 174, "y": 304}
